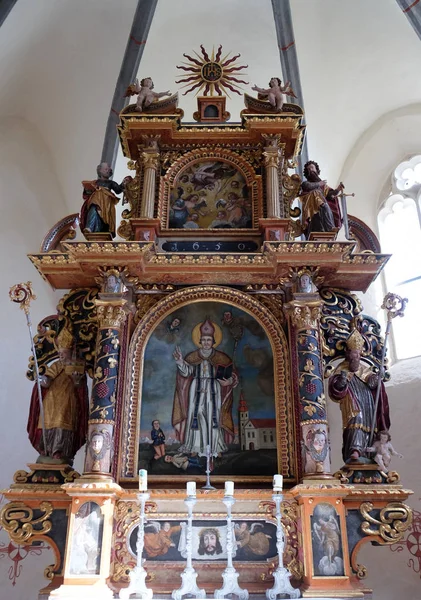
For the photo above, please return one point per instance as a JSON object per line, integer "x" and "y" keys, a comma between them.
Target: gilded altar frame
{"x": 284, "y": 408}
{"x": 220, "y": 154}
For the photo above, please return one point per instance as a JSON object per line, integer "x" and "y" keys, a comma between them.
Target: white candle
{"x": 229, "y": 488}
{"x": 143, "y": 480}
{"x": 277, "y": 483}
{"x": 191, "y": 489}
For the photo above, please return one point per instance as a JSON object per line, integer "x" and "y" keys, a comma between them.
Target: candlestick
{"x": 191, "y": 489}
{"x": 207, "y": 485}
{"x": 230, "y": 575}
{"x": 281, "y": 574}
{"x": 277, "y": 483}
{"x": 189, "y": 575}
{"x": 229, "y": 488}
{"x": 143, "y": 480}
{"x": 138, "y": 575}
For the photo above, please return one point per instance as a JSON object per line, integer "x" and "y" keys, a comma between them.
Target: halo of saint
{"x": 197, "y": 333}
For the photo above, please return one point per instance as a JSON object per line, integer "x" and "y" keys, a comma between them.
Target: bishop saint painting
{"x": 208, "y": 388}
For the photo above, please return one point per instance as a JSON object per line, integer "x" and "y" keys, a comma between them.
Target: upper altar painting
{"x": 210, "y": 195}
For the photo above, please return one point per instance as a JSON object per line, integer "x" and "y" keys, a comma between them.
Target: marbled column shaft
{"x": 304, "y": 317}
{"x": 150, "y": 165}
{"x": 272, "y": 157}
{"x": 111, "y": 316}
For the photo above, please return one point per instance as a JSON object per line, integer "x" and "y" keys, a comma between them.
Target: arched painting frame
{"x": 131, "y": 410}
{"x": 221, "y": 156}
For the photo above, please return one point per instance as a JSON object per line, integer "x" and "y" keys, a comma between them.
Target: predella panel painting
{"x": 210, "y": 195}
{"x": 208, "y": 388}
{"x": 167, "y": 540}
{"x": 328, "y": 560}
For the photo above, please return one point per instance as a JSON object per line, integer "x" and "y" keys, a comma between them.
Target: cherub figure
{"x": 145, "y": 93}
{"x": 383, "y": 450}
{"x": 275, "y": 92}
{"x": 251, "y": 538}
{"x": 158, "y": 540}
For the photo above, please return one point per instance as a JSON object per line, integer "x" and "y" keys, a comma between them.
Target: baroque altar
{"x": 208, "y": 329}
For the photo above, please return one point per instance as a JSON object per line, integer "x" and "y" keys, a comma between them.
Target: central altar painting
{"x": 208, "y": 386}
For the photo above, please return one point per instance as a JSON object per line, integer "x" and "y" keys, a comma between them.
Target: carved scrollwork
{"x": 289, "y": 190}
{"x": 274, "y": 303}
{"x": 131, "y": 197}
{"x": 20, "y": 522}
{"x": 341, "y": 313}
{"x": 49, "y": 572}
{"x": 127, "y": 516}
{"x": 293, "y": 539}
{"x": 391, "y": 523}
{"x": 360, "y": 571}
{"x": 44, "y": 476}
{"x": 144, "y": 303}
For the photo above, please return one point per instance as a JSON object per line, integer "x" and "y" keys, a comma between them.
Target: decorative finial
{"x": 394, "y": 305}
{"x": 210, "y": 73}
{"x": 22, "y": 294}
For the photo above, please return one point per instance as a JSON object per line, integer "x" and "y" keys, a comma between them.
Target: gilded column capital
{"x": 304, "y": 313}
{"x": 150, "y": 159}
{"x": 111, "y": 313}
{"x": 272, "y": 156}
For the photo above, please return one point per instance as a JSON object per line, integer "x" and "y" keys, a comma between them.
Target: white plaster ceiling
{"x": 60, "y": 60}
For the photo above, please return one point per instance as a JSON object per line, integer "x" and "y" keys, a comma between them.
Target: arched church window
{"x": 399, "y": 221}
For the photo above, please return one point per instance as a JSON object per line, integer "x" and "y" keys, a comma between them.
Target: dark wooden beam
{"x": 5, "y": 8}
{"x": 129, "y": 67}
{"x": 288, "y": 55}
{"x": 412, "y": 11}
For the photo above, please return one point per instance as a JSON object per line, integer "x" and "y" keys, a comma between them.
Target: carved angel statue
{"x": 275, "y": 92}
{"x": 145, "y": 93}
{"x": 383, "y": 450}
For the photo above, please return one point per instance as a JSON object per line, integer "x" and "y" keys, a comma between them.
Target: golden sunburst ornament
{"x": 211, "y": 74}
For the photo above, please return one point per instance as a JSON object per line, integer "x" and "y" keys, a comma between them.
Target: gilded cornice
{"x": 90, "y": 486}
{"x": 80, "y": 262}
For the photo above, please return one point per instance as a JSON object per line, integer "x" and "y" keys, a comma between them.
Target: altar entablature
{"x": 78, "y": 265}
{"x": 250, "y": 131}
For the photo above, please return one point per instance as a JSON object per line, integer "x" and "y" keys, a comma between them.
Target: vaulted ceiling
{"x": 61, "y": 59}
